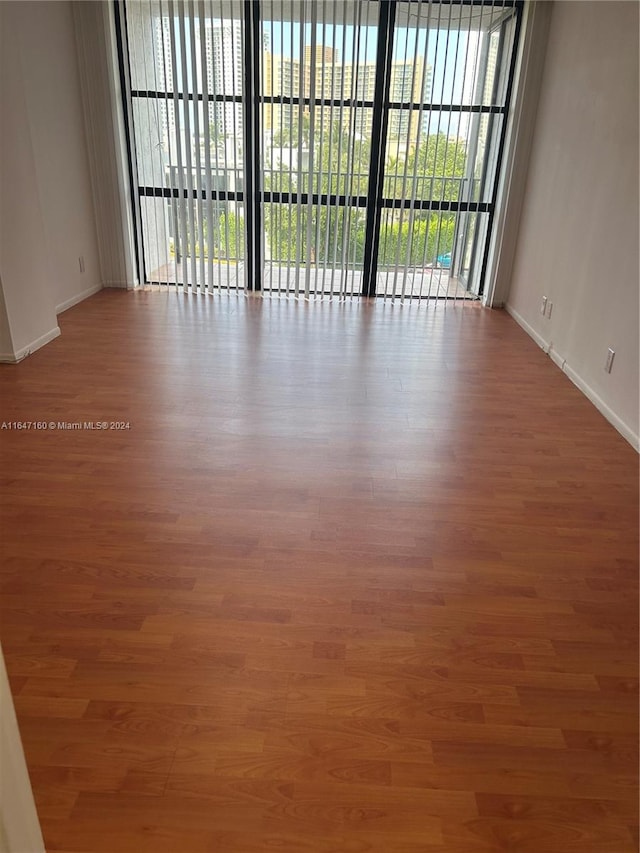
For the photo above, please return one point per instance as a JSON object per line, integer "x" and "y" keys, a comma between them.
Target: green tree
{"x": 230, "y": 236}
{"x": 439, "y": 165}
{"x": 341, "y": 165}
{"x": 326, "y": 233}
{"x": 216, "y": 137}
{"x": 416, "y": 241}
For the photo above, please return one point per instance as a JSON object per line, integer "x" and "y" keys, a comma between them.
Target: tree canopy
{"x": 332, "y": 234}
{"x": 341, "y": 165}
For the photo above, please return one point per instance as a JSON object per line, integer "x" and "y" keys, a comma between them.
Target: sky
{"x": 451, "y": 55}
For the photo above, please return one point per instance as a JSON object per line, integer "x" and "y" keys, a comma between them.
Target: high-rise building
{"x": 410, "y": 84}
{"x": 281, "y": 78}
{"x": 223, "y": 51}
{"x": 334, "y": 80}
{"x": 163, "y": 75}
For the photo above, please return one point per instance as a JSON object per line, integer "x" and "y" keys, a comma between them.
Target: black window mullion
{"x": 252, "y": 135}
{"x": 253, "y": 194}
{"x": 124, "y": 71}
{"x": 379, "y": 127}
{"x": 185, "y": 96}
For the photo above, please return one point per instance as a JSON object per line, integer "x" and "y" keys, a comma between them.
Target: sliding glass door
{"x": 446, "y": 101}
{"x": 317, "y": 147}
{"x": 316, "y": 102}
{"x": 187, "y": 105}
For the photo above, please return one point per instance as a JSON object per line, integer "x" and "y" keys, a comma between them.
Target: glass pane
{"x": 429, "y": 167}
{"x": 331, "y": 237}
{"x": 170, "y": 46}
{"x": 489, "y": 130}
{"x": 316, "y": 141}
{"x": 415, "y": 256}
{"x": 470, "y": 242}
{"x": 186, "y": 65}
{"x": 446, "y": 59}
{"x": 447, "y": 82}
{"x": 334, "y": 160}
{"x": 175, "y": 236}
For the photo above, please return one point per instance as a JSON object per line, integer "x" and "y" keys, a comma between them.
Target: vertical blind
{"x": 185, "y": 63}
{"x": 319, "y": 147}
{"x": 316, "y": 101}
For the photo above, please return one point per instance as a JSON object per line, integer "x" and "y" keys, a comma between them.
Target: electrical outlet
{"x": 543, "y": 306}
{"x": 609, "y": 362}
{"x": 549, "y": 309}
{"x": 81, "y": 263}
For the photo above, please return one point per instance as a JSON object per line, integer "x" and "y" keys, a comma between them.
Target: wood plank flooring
{"x": 358, "y": 577}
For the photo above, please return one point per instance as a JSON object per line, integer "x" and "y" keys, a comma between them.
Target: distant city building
{"x": 410, "y": 84}
{"x": 326, "y": 78}
{"x": 223, "y": 51}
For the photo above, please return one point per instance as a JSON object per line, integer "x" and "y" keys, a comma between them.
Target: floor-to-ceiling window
{"x": 317, "y": 103}
{"x": 339, "y": 147}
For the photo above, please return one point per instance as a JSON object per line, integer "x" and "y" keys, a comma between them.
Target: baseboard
{"x": 79, "y": 297}
{"x": 528, "y": 329}
{"x": 623, "y": 428}
{"x": 555, "y": 357}
{"x": 23, "y": 352}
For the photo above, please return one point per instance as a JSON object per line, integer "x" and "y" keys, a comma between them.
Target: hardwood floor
{"x": 358, "y": 577}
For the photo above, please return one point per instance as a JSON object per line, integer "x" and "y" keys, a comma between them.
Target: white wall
{"x": 104, "y": 122}
{"x": 51, "y": 78}
{"x": 6, "y": 344}
{"x": 28, "y": 294}
{"x": 46, "y": 207}
{"x": 19, "y": 827}
{"x": 578, "y": 235}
